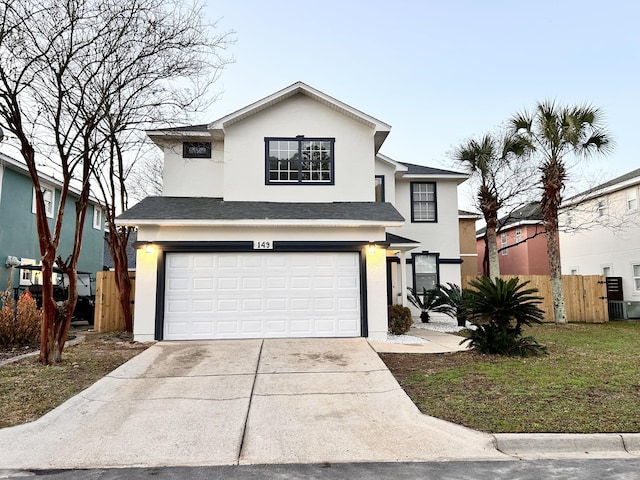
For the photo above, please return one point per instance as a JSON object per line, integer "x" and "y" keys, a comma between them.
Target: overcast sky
{"x": 441, "y": 71}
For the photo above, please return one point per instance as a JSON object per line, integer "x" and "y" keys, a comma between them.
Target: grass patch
{"x": 589, "y": 383}
{"x": 29, "y": 389}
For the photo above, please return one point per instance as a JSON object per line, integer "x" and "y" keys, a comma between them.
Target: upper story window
{"x": 632, "y": 199}
{"x": 379, "y": 188}
{"x": 602, "y": 208}
{"x": 196, "y": 150}
{"x": 48, "y": 195}
{"x": 299, "y": 160}
{"x": 425, "y": 271}
{"x": 518, "y": 235}
{"x": 503, "y": 242}
{"x": 636, "y": 277}
{"x": 423, "y": 202}
{"x": 97, "y": 217}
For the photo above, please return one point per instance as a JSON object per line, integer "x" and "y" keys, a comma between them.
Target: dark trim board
{"x": 247, "y": 247}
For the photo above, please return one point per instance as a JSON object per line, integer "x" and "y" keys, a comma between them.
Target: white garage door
{"x": 256, "y": 295}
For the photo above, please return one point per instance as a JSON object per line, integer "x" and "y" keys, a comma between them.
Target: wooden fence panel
{"x": 107, "y": 313}
{"x": 585, "y": 296}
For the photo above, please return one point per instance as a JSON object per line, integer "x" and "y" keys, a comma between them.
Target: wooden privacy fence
{"x": 107, "y": 314}
{"x": 585, "y": 296}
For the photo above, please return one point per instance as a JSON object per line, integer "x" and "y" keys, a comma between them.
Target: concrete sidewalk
{"x": 241, "y": 402}
{"x": 427, "y": 341}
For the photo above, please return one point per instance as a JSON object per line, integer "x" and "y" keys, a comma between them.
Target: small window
{"x": 602, "y": 208}
{"x": 196, "y": 150}
{"x": 632, "y": 199}
{"x": 25, "y": 275}
{"x": 503, "y": 243}
{"x": 424, "y": 202}
{"x": 299, "y": 160}
{"x": 425, "y": 271}
{"x": 636, "y": 277}
{"x": 518, "y": 235}
{"x": 48, "y": 195}
{"x": 606, "y": 271}
{"x": 97, "y": 217}
{"x": 379, "y": 188}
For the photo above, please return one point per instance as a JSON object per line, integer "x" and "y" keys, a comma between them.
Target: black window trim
{"x": 435, "y": 201}
{"x": 383, "y": 187}
{"x": 299, "y": 139}
{"x": 413, "y": 266}
{"x": 205, "y": 154}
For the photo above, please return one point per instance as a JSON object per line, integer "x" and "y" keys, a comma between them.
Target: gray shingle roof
{"x": 622, "y": 178}
{"x": 188, "y": 128}
{"x": 530, "y": 211}
{"x": 391, "y": 238}
{"x": 205, "y": 208}
{"x": 422, "y": 170}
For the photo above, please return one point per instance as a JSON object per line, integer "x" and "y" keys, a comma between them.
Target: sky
{"x": 442, "y": 71}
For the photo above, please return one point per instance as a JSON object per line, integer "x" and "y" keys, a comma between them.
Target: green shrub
{"x": 452, "y": 298}
{"x": 428, "y": 301}
{"x": 399, "y": 319}
{"x": 499, "y": 309}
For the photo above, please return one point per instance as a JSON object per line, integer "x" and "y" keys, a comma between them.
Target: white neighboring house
{"x": 282, "y": 219}
{"x": 602, "y": 235}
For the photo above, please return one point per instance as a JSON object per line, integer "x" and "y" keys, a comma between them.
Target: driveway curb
{"x": 563, "y": 445}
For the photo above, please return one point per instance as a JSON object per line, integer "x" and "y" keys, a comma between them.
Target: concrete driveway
{"x": 241, "y": 402}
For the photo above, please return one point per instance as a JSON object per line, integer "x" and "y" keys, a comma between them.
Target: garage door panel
{"x": 261, "y": 295}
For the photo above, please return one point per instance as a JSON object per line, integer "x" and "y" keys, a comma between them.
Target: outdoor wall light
{"x": 149, "y": 247}
{"x": 372, "y": 248}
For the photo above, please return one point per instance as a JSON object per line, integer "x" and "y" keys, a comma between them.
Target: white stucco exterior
{"x": 602, "y": 234}
{"x": 237, "y": 172}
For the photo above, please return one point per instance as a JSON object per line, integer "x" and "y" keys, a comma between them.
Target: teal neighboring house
{"x": 18, "y": 232}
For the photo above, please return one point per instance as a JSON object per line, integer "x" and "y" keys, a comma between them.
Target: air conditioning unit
{"x": 633, "y": 309}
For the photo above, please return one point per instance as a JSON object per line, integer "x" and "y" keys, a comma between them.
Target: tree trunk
{"x": 553, "y": 174}
{"x": 555, "y": 273}
{"x": 118, "y": 242}
{"x": 492, "y": 246}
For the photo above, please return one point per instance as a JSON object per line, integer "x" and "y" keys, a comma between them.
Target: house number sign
{"x": 263, "y": 245}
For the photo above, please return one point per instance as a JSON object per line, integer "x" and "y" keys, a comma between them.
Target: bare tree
{"x": 64, "y": 79}
{"x": 556, "y": 131}
{"x": 163, "y": 75}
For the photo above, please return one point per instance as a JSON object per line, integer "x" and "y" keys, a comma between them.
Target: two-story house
{"x": 19, "y": 244}
{"x": 522, "y": 244}
{"x": 283, "y": 219}
{"x": 601, "y": 235}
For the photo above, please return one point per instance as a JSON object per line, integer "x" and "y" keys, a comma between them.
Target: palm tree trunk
{"x": 553, "y": 173}
{"x": 492, "y": 246}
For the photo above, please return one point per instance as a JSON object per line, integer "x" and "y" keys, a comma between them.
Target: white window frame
{"x": 97, "y": 217}
{"x": 635, "y": 272}
{"x": 49, "y": 207}
{"x": 503, "y": 243}
{"x": 25, "y": 275}
{"x": 518, "y": 235}
{"x": 632, "y": 199}
{"x": 602, "y": 208}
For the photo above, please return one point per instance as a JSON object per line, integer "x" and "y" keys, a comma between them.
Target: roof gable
{"x": 216, "y": 128}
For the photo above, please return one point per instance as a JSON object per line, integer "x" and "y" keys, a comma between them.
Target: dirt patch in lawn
{"x": 29, "y": 389}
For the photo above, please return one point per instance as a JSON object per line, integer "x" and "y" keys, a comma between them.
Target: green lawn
{"x": 589, "y": 382}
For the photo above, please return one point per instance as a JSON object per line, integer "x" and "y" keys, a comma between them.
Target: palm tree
{"x": 485, "y": 158}
{"x": 553, "y": 132}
